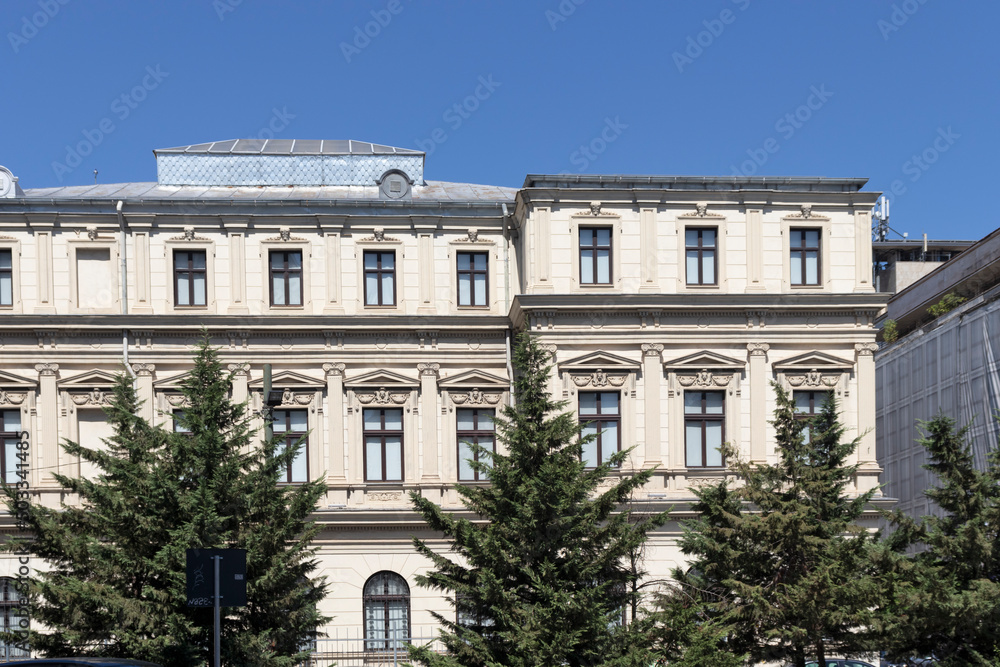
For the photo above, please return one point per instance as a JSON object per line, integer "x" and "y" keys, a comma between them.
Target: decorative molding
{"x": 189, "y": 235}
{"x": 382, "y": 396}
{"x": 698, "y": 482}
{"x": 423, "y": 335}
{"x": 178, "y": 400}
{"x": 701, "y": 211}
{"x": 285, "y": 236}
{"x": 94, "y": 397}
{"x": 473, "y": 234}
{"x": 814, "y": 378}
{"x": 704, "y": 379}
{"x": 139, "y": 335}
{"x": 429, "y": 369}
{"x": 289, "y": 397}
{"x": 476, "y": 397}
{"x": 335, "y": 369}
{"x": 652, "y": 349}
{"x": 379, "y": 234}
{"x": 384, "y": 496}
{"x": 241, "y": 369}
{"x": 12, "y": 398}
{"x": 284, "y": 233}
{"x": 595, "y": 212}
{"x": 865, "y": 349}
{"x": 758, "y": 349}
{"x": 92, "y": 232}
{"x": 47, "y": 369}
{"x": 241, "y": 335}
{"x": 44, "y": 334}
{"x": 143, "y": 370}
{"x": 600, "y": 379}
{"x": 805, "y": 213}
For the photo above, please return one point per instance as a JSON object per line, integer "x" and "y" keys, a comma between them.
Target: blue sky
{"x": 902, "y": 92}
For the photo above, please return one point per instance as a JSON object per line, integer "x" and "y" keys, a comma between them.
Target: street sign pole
{"x": 218, "y": 630}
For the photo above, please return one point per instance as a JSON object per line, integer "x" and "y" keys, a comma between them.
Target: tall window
{"x": 601, "y": 417}
{"x": 178, "y": 419}
{"x": 6, "y": 277}
{"x": 387, "y": 612}
{"x": 808, "y": 404}
{"x": 10, "y": 427}
{"x": 14, "y": 618}
{"x": 595, "y": 255}
{"x": 472, "y": 278}
{"x": 293, "y": 426}
{"x": 189, "y": 278}
{"x": 383, "y": 445}
{"x": 704, "y": 428}
{"x": 380, "y": 278}
{"x": 804, "y": 244}
{"x": 286, "y": 277}
{"x": 699, "y": 251}
{"x": 474, "y": 426}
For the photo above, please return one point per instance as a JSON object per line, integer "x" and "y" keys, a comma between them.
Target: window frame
{"x": 291, "y": 437}
{"x": 817, "y": 397}
{"x": 114, "y": 287}
{"x": 287, "y": 274}
{"x": 385, "y": 599}
{"x": 383, "y": 433}
{"x": 9, "y": 436}
{"x": 599, "y": 420}
{"x": 10, "y": 603}
{"x": 380, "y": 274}
{"x": 8, "y": 273}
{"x": 471, "y": 274}
{"x": 801, "y": 251}
{"x": 594, "y": 248}
{"x": 191, "y": 272}
{"x": 700, "y": 249}
{"x": 704, "y": 418}
{"x": 462, "y": 436}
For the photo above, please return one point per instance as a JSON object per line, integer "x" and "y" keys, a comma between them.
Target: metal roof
{"x": 288, "y": 147}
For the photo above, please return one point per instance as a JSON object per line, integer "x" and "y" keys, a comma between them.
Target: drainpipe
{"x": 123, "y": 255}
{"x": 506, "y": 296}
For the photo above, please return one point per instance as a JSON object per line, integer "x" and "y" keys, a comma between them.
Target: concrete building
{"x": 386, "y": 304}
{"x": 945, "y": 364}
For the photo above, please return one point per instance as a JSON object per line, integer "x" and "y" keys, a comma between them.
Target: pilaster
{"x": 649, "y": 263}
{"x": 652, "y": 376}
{"x": 237, "y": 228}
{"x": 47, "y": 437}
{"x": 428, "y": 419}
{"x": 863, "y": 251}
{"x": 42, "y": 224}
{"x": 755, "y": 251}
{"x": 334, "y": 300}
{"x": 142, "y": 304}
{"x": 758, "y": 401}
{"x": 335, "y": 420}
{"x": 144, "y": 389}
{"x": 425, "y": 262}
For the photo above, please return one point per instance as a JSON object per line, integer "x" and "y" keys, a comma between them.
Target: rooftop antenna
{"x": 95, "y": 177}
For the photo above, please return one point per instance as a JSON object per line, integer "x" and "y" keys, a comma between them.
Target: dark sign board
{"x": 201, "y": 577}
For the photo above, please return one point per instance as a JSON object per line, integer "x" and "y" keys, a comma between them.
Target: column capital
{"x": 241, "y": 369}
{"x": 429, "y": 369}
{"x": 143, "y": 370}
{"x": 335, "y": 369}
{"x": 865, "y": 349}
{"x": 47, "y": 369}
{"x": 652, "y": 349}
{"x": 758, "y": 349}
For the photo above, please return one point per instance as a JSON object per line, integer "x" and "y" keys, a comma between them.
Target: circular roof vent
{"x": 394, "y": 184}
{"x": 8, "y": 184}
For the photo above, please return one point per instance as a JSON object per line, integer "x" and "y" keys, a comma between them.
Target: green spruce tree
{"x": 115, "y": 584}
{"x": 542, "y": 574}
{"x": 779, "y": 565}
{"x": 946, "y": 598}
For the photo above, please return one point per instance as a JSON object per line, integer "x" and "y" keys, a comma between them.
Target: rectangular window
{"x": 189, "y": 278}
{"x": 704, "y": 428}
{"x": 808, "y": 404}
{"x": 286, "y": 277}
{"x": 94, "y": 429}
{"x": 472, "y": 278}
{"x": 805, "y": 267}
{"x": 6, "y": 277}
{"x": 474, "y": 426}
{"x": 179, "y": 425}
{"x": 94, "y": 278}
{"x": 699, "y": 252}
{"x": 292, "y": 426}
{"x": 10, "y": 428}
{"x": 380, "y": 278}
{"x": 595, "y": 255}
{"x": 383, "y": 445}
{"x": 600, "y": 417}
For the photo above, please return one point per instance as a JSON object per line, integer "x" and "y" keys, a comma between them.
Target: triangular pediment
{"x": 11, "y": 381}
{"x": 89, "y": 380}
{"x": 474, "y": 378}
{"x": 290, "y": 380}
{"x": 381, "y": 379}
{"x": 814, "y": 361}
{"x": 172, "y": 382}
{"x": 599, "y": 360}
{"x": 705, "y": 360}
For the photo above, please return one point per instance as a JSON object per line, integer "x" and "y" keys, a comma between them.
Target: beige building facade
{"x": 387, "y": 304}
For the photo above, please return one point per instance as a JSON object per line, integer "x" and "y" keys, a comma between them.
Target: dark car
{"x": 840, "y": 662}
{"x": 83, "y": 662}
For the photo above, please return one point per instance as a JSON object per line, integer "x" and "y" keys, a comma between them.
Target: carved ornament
{"x": 384, "y": 496}
{"x": 758, "y": 349}
{"x": 93, "y": 397}
{"x": 865, "y": 349}
{"x": 429, "y": 369}
{"x": 240, "y": 370}
{"x": 334, "y": 369}
{"x": 46, "y": 369}
{"x": 143, "y": 370}
{"x": 178, "y": 400}
{"x": 382, "y": 396}
{"x": 704, "y": 378}
{"x": 600, "y": 379}
{"x": 477, "y": 397}
{"x": 814, "y": 378}
{"x": 12, "y": 398}
{"x": 652, "y": 349}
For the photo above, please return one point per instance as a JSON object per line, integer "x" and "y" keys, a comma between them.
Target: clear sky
{"x": 902, "y": 92}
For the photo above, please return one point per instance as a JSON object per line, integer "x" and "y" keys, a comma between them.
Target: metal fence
{"x": 349, "y": 648}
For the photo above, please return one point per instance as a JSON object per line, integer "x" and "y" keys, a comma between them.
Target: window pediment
{"x": 704, "y": 370}
{"x": 813, "y": 370}
{"x": 380, "y": 378}
{"x": 14, "y": 388}
{"x": 474, "y": 378}
{"x": 290, "y": 380}
{"x": 90, "y": 379}
{"x": 704, "y": 361}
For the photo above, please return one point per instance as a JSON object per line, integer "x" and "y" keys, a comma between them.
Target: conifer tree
{"x": 115, "y": 584}
{"x": 780, "y": 565}
{"x": 946, "y": 601}
{"x": 542, "y": 571}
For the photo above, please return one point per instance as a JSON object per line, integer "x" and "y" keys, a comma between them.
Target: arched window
{"x": 387, "y": 612}
{"x": 13, "y": 613}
